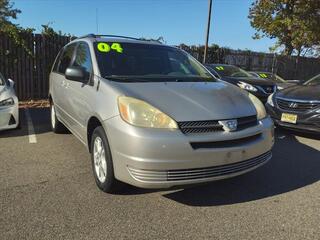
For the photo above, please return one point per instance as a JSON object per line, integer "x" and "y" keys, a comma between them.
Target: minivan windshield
{"x": 230, "y": 71}
{"x": 135, "y": 62}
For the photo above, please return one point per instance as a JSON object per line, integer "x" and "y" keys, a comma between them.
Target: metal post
{"x": 208, "y": 31}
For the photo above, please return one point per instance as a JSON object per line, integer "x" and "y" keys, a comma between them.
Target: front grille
{"x": 290, "y": 105}
{"x": 199, "y": 173}
{"x": 214, "y": 126}
{"x": 226, "y": 143}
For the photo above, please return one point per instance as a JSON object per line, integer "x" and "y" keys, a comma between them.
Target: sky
{"x": 177, "y": 21}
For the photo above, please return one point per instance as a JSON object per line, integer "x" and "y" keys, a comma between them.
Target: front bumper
{"x": 9, "y": 117}
{"x": 306, "y": 121}
{"x": 154, "y": 158}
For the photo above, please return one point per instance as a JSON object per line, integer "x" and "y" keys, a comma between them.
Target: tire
{"x": 102, "y": 164}
{"x": 56, "y": 125}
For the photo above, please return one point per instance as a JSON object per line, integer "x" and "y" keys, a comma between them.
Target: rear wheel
{"x": 102, "y": 164}
{"x": 56, "y": 125}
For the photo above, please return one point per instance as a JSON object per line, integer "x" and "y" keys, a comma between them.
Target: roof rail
{"x": 91, "y": 35}
{"x": 117, "y": 36}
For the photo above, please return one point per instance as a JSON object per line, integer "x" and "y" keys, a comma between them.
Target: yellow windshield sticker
{"x": 263, "y": 75}
{"x": 105, "y": 47}
{"x": 220, "y": 68}
{"x": 117, "y": 47}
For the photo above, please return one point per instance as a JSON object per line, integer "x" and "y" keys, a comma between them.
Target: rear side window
{"x": 83, "y": 58}
{"x": 66, "y": 58}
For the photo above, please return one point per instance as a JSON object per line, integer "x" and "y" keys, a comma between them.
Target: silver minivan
{"x": 152, "y": 116}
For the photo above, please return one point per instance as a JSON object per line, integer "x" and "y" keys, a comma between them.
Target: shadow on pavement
{"x": 315, "y": 136}
{"x": 294, "y": 165}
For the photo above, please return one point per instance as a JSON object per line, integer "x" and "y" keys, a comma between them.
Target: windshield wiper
{"x": 126, "y": 79}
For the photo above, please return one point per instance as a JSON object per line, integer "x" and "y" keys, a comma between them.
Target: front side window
{"x": 66, "y": 58}
{"x": 313, "y": 81}
{"x": 146, "y": 62}
{"x": 231, "y": 71}
{"x": 83, "y": 58}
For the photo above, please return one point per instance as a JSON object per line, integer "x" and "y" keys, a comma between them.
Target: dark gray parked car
{"x": 297, "y": 107}
{"x": 241, "y": 78}
{"x": 276, "y": 79}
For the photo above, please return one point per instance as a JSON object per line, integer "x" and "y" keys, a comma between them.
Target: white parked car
{"x": 9, "y": 105}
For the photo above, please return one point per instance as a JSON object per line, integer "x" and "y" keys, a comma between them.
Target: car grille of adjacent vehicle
{"x": 291, "y": 105}
{"x": 226, "y": 143}
{"x": 214, "y": 126}
{"x": 199, "y": 173}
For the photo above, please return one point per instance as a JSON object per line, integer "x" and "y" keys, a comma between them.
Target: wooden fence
{"x": 30, "y": 70}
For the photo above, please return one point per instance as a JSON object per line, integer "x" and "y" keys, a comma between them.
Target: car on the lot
{"x": 154, "y": 117}
{"x": 241, "y": 78}
{"x": 275, "y": 78}
{"x": 297, "y": 107}
{"x": 9, "y": 105}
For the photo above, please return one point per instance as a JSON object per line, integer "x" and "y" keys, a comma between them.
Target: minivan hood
{"x": 192, "y": 101}
{"x": 300, "y": 92}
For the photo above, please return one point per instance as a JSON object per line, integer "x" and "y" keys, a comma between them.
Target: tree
{"x": 13, "y": 31}
{"x": 294, "y": 23}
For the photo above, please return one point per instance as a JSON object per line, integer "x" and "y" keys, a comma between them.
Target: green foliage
{"x": 294, "y": 23}
{"x": 47, "y": 30}
{"x": 13, "y": 31}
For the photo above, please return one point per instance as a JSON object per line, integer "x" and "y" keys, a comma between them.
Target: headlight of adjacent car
{"x": 139, "y": 113}
{"x": 270, "y": 100}
{"x": 7, "y": 102}
{"x": 261, "y": 111}
{"x": 247, "y": 86}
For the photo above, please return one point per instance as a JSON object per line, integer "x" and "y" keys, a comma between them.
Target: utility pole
{"x": 208, "y": 31}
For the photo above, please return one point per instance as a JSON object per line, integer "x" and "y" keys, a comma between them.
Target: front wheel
{"x": 102, "y": 164}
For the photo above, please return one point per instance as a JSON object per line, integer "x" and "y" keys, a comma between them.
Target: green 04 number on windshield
{"x": 105, "y": 47}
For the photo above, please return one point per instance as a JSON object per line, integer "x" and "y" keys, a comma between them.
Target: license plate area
{"x": 289, "y": 118}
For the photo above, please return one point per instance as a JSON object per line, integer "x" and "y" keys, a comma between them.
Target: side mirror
{"x": 11, "y": 83}
{"x": 77, "y": 74}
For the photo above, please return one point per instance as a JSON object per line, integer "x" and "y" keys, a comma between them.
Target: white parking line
{"x": 31, "y": 133}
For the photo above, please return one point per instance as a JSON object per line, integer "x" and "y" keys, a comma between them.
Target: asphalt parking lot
{"x": 47, "y": 191}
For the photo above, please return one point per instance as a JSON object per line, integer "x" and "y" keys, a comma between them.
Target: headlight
{"x": 7, "y": 102}
{"x": 270, "y": 100}
{"x": 142, "y": 114}
{"x": 247, "y": 86}
{"x": 261, "y": 111}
